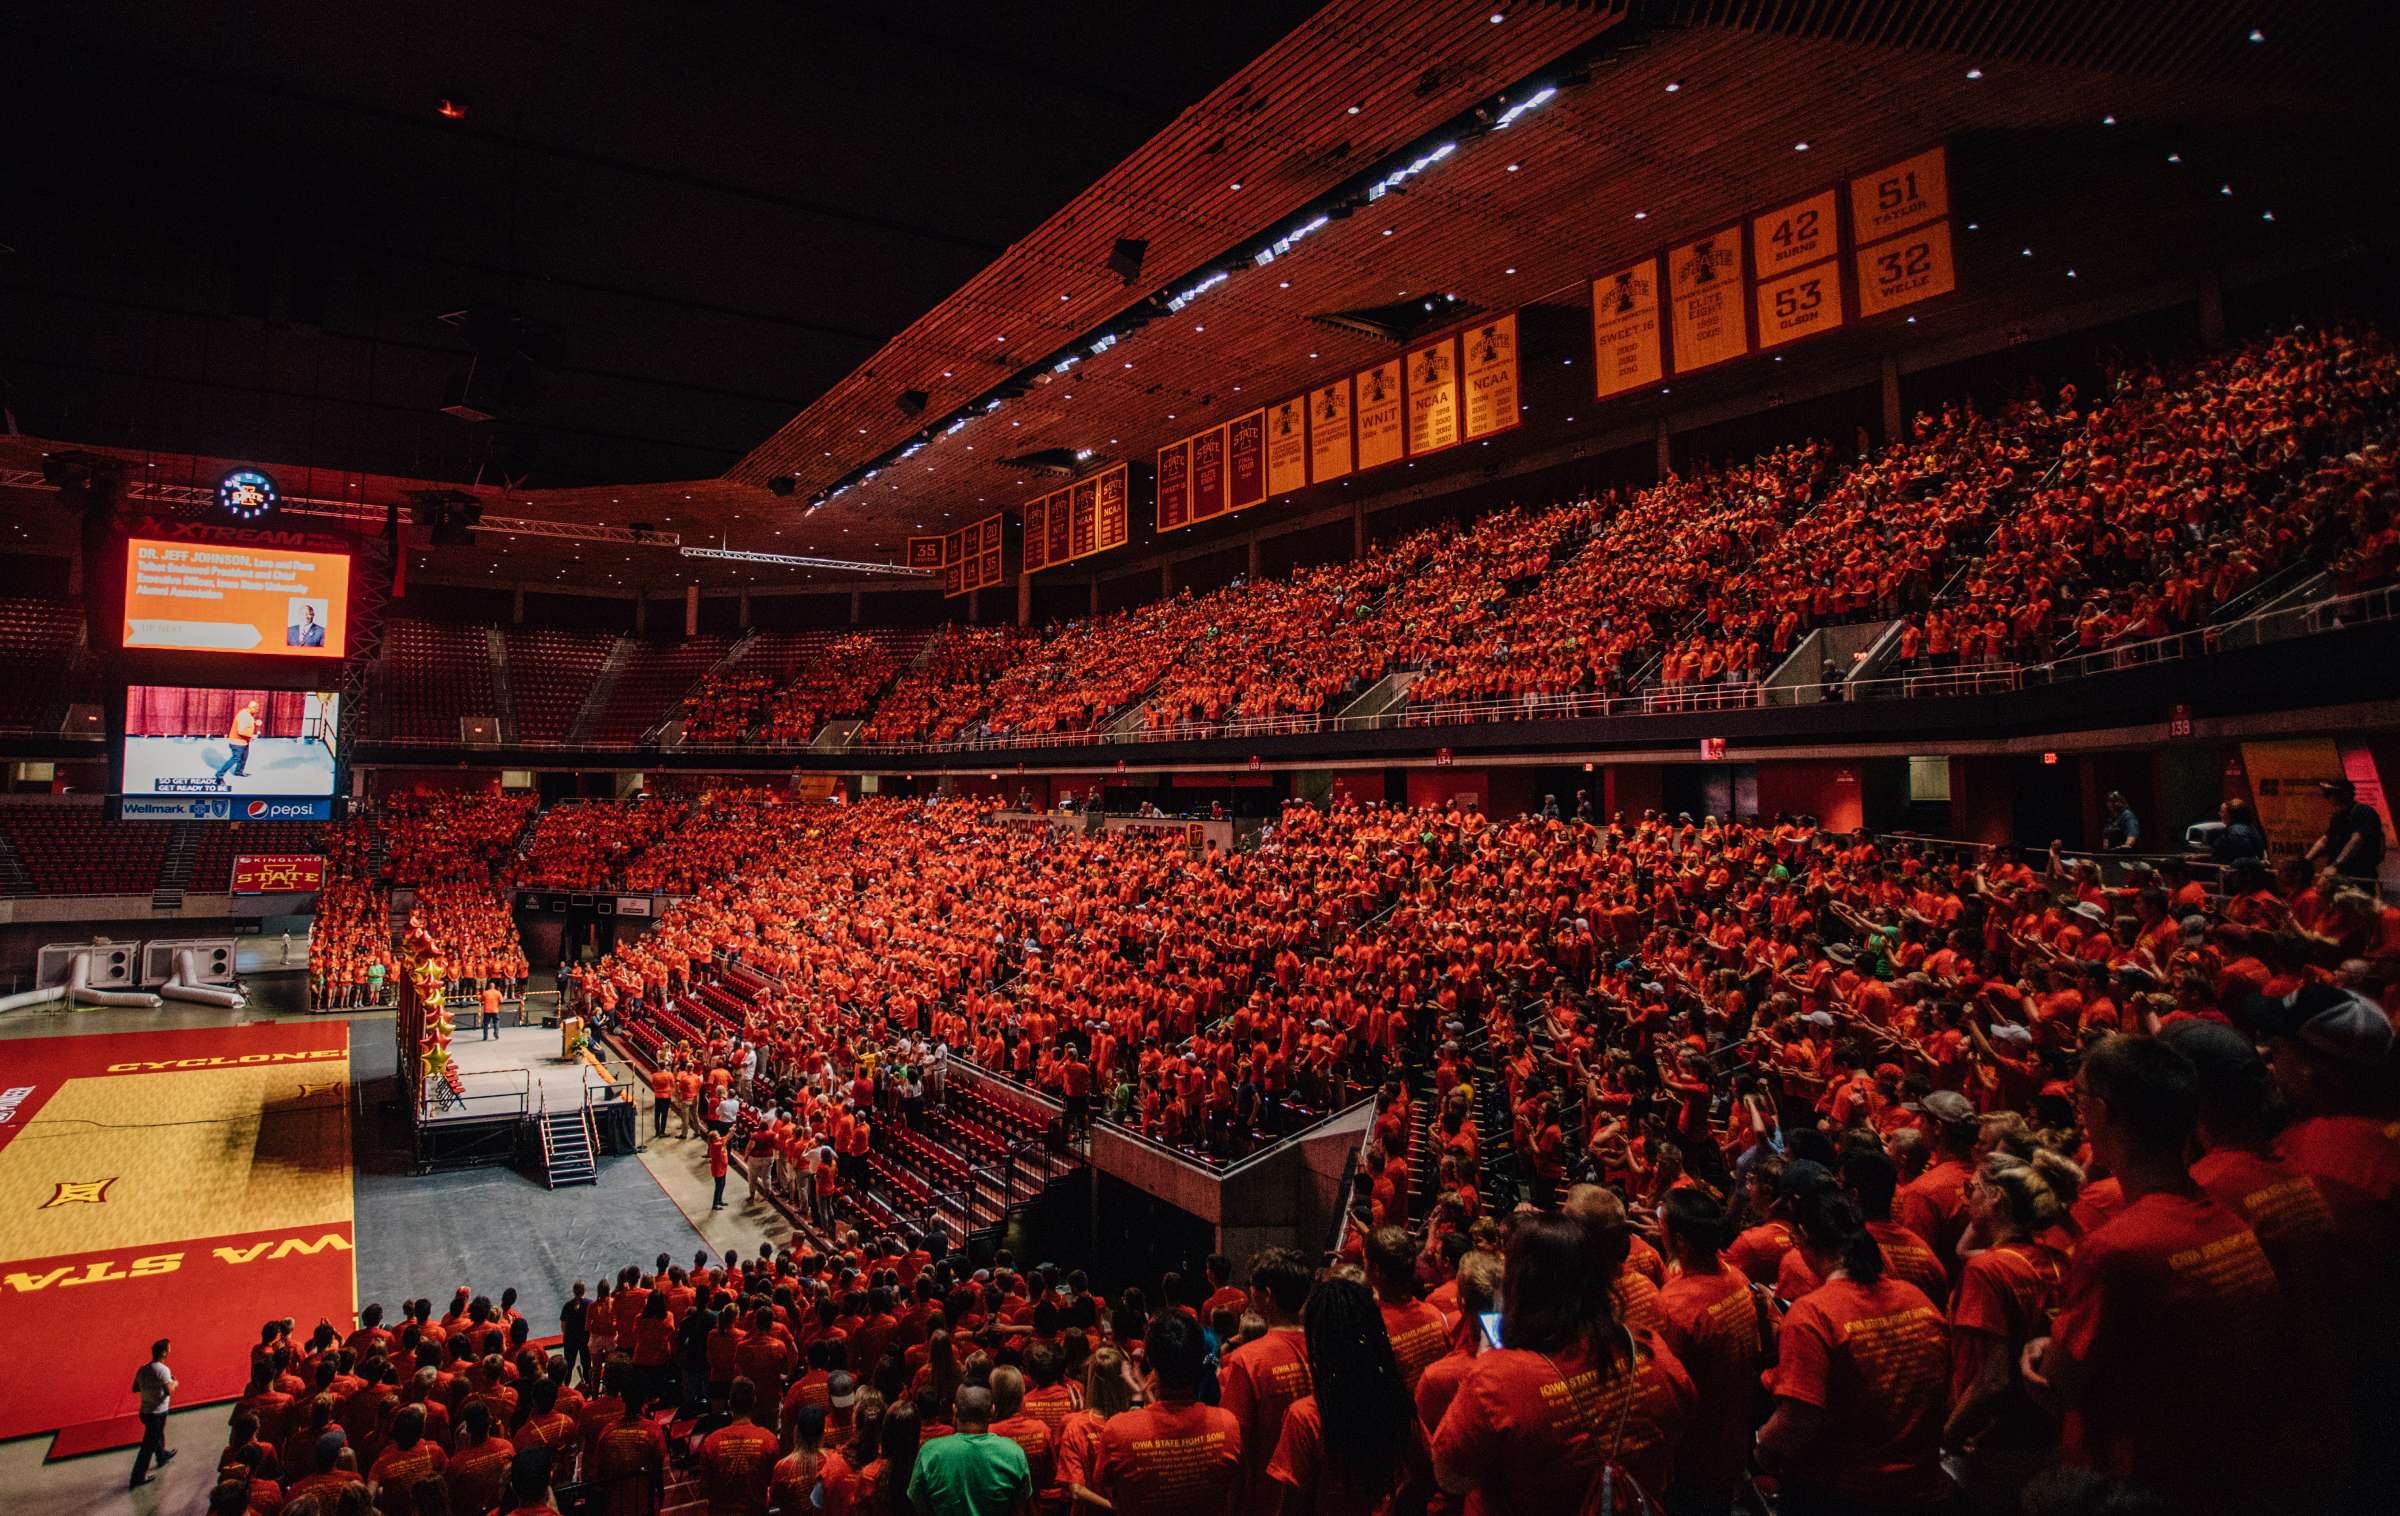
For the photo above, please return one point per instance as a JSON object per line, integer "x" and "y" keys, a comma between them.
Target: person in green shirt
{"x": 375, "y": 983}
{"x": 971, "y": 1472}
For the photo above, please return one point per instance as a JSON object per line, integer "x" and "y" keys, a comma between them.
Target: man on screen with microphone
{"x": 245, "y": 727}
{"x": 305, "y": 632}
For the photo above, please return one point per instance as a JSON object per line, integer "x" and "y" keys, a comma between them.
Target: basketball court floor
{"x": 192, "y": 1173}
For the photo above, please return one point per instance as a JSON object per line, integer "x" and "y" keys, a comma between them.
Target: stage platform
{"x": 508, "y": 1080}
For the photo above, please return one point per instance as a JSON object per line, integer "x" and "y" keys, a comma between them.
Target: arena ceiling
{"x": 2101, "y": 130}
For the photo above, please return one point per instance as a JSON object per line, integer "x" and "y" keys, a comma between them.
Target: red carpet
{"x": 187, "y": 1185}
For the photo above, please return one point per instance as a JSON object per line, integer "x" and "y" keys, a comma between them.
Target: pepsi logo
{"x": 256, "y": 809}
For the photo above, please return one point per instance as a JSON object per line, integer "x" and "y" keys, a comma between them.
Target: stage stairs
{"x": 567, "y": 1147}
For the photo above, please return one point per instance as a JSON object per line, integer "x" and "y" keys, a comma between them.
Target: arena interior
{"x": 1390, "y": 757}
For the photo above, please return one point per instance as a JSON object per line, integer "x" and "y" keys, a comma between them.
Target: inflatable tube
{"x": 27, "y": 998}
{"x": 184, "y": 984}
{"x": 79, "y": 989}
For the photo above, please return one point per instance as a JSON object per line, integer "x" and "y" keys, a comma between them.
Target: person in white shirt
{"x": 154, "y": 1385}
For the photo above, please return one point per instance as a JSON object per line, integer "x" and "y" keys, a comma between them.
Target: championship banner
{"x": 278, "y": 873}
{"x": 1060, "y": 531}
{"x": 1433, "y": 397}
{"x": 1079, "y": 520}
{"x": 1704, "y": 284}
{"x": 1245, "y": 461}
{"x": 1905, "y": 269}
{"x": 1174, "y": 487}
{"x": 1037, "y": 535}
{"x": 1116, "y": 509}
{"x": 1625, "y": 345}
{"x": 1083, "y": 534}
{"x": 924, "y": 553}
{"x": 1329, "y": 431}
{"x": 1793, "y": 237}
{"x": 1490, "y": 360}
{"x": 1287, "y": 445}
{"x": 1909, "y": 193}
{"x": 1208, "y": 474}
{"x": 1382, "y": 426}
{"x": 1800, "y": 304}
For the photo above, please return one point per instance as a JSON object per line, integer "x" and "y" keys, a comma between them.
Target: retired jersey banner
{"x": 954, "y": 564}
{"x": 1800, "y": 304}
{"x": 993, "y": 536}
{"x": 1287, "y": 445}
{"x": 1037, "y": 535}
{"x": 925, "y": 552}
{"x": 277, "y": 873}
{"x": 1329, "y": 431}
{"x": 1433, "y": 397}
{"x": 1116, "y": 511}
{"x": 1058, "y": 550}
{"x": 1083, "y": 532}
{"x": 1909, "y": 193}
{"x": 1704, "y": 285}
{"x": 1625, "y": 332}
{"x": 1245, "y": 461}
{"x": 1208, "y": 474}
{"x": 1793, "y": 237}
{"x": 1174, "y": 486}
{"x": 1382, "y": 422}
{"x": 1905, "y": 269}
{"x": 1489, "y": 357}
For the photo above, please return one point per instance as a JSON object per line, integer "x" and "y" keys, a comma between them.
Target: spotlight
{"x": 1125, "y": 259}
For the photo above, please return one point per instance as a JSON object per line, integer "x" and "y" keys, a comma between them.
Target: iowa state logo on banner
{"x": 1626, "y": 351}
{"x": 1245, "y": 460}
{"x": 1287, "y": 445}
{"x": 1174, "y": 489}
{"x": 1711, "y": 322}
{"x": 1433, "y": 397}
{"x": 1208, "y": 474}
{"x": 1329, "y": 431}
{"x": 1491, "y": 368}
{"x": 1382, "y": 426}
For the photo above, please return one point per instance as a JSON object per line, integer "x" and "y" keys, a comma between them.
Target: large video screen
{"x": 201, "y": 597}
{"x": 229, "y": 755}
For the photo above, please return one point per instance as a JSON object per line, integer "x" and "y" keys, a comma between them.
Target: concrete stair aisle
{"x": 175, "y": 870}
{"x": 13, "y": 878}
{"x": 497, "y": 647}
{"x": 595, "y": 700}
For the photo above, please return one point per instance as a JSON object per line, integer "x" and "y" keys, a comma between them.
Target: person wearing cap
{"x": 2175, "y": 1354}
{"x": 2329, "y": 1242}
{"x": 2352, "y": 844}
{"x": 1934, "y": 1204}
{"x": 2329, "y": 1050}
